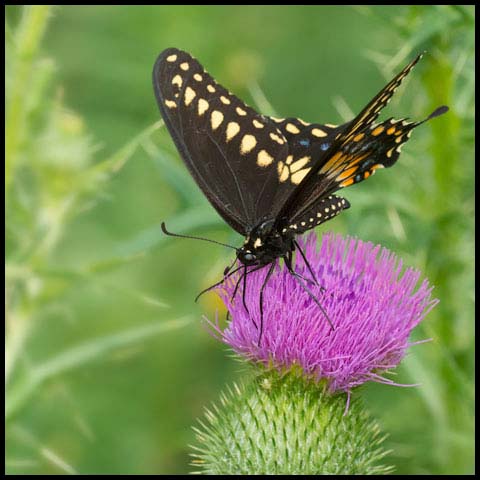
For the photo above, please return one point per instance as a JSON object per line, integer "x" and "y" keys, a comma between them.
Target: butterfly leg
{"x": 269, "y": 274}
{"x": 243, "y": 276}
{"x": 297, "y": 246}
{"x": 218, "y": 283}
{"x": 234, "y": 295}
{"x": 298, "y": 278}
{"x": 244, "y": 289}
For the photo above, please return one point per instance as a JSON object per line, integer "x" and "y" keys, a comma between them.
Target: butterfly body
{"x": 271, "y": 179}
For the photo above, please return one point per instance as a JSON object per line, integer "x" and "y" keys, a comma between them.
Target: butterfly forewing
{"x": 232, "y": 152}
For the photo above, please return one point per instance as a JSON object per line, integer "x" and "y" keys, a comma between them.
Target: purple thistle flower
{"x": 371, "y": 305}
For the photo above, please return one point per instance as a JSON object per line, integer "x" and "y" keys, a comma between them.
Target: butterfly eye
{"x": 250, "y": 257}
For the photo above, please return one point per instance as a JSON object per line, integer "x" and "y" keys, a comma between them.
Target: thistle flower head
{"x": 372, "y": 305}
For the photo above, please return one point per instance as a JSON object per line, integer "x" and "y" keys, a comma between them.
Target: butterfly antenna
{"x": 170, "y": 234}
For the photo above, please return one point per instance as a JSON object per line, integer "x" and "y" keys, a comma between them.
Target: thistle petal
{"x": 371, "y": 303}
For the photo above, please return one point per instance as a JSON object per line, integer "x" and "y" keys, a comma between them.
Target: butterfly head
{"x": 263, "y": 245}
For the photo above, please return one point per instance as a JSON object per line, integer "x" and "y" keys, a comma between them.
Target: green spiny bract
{"x": 282, "y": 424}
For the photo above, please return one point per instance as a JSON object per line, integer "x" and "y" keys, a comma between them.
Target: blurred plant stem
{"x": 50, "y": 177}
{"x": 27, "y": 40}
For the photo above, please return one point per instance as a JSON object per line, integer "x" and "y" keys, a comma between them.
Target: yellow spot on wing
{"x": 292, "y": 128}
{"x": 225, "y": 100}
{"x": 171, "y": 58}
{"x": 389, "y": 153}
{"x": 317, "y": 132}
{"x": 289, "y": 159}
{"x": 331, "y": 125}
{"x": 197, "y": 77}
{"x": 258, "y": 124}
{"x": 276, "y": 138}
{"x": 299, "y": 164}
{"x": 240, "y": 111}
{"x": 177, "y": 80}
{"x": 202, "y": 106}
{"x": 189, "y": 96}
{"x": 211, "y": 88}
{"x": 184, "y": 66}
{"x": 264, "y": 159}
{"x": 170, "y": 104}
{"x": 398, "y": 139}
{"x": 378, "y": 131}
{"x": 282, "y": 171}
{"x": 248, "y": 144}
{"x": 232, "y": 129}
{"x": 390, "y": 130}
{"x": 303, "y": 122}
{"x": 216, "y": 119}
{"x": 280, "y": 167}
{"x": 297, "y": 177}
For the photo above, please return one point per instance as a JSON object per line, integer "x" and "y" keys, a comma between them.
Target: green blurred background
{"x": 107, "y": 362}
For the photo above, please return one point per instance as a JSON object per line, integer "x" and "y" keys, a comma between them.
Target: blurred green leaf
{"x": 80, "y": 355}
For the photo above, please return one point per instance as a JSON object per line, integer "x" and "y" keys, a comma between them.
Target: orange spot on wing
{"x": 346, "y": 183}
{"x": 358, "y": 137}
{"x": 358, "y": 159}
{"x": 332, "y": 162}
{"x": 347, "y": 173}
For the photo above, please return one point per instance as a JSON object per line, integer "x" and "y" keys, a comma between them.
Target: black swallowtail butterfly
{"x": 271, "y": 179}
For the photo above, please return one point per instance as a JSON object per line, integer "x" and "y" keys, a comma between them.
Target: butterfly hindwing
{"x": 370, "y": 113}
{"x": 358, "y": 149}
{"x": 321, "y": 211}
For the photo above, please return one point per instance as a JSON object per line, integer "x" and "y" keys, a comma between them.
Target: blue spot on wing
{"x": 324, "y": 146}
{"x": 304, "y": 142}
